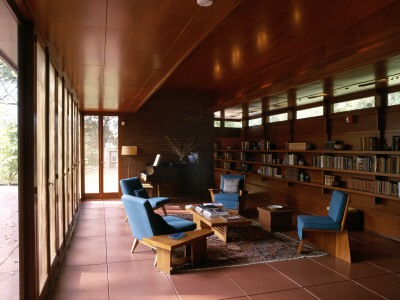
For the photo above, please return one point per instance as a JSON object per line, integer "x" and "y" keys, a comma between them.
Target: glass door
{"x": 110, "y": 155}
{"x": 101, "y": 140}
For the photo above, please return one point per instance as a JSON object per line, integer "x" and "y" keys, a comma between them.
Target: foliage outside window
{"x": 394, "y": 99}
{"x": 255, "y": 122}
{"x": 8, "y": 125}
{"x": 362, "y": 103}
{"x": 217, "y": 123}
{"x": 278, "y": 118}
{"x": 233, "y": 124}
{"x": 310, "y": 112}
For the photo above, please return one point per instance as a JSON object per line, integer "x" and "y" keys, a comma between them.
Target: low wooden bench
{"x": 195, "y": 252}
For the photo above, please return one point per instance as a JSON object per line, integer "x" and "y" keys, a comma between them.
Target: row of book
{"x": 329, "y": 179}
{"x": 292, "y": 173}
{"x": 358, "y": 163}
{"x": 270, "y": 171}
{"x": 260, "y": 145}
{"x": 375, "y": 186}
{"x": 396, "y": 143}
{"x": 369, "y": 143}
{"x": 229, "y": 155}
{"x": 291, "y": 159}
{"x": 268, "y": 158}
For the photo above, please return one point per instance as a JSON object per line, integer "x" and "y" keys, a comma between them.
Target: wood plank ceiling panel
{"x": 265, "y": 47}
{"x": 117, "y": 53}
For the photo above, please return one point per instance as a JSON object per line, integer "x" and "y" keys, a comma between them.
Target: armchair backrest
{"x": 242, "y": 181}
{"x": 143, "y": 220}
{"x": 129, "y": 185}
{"x": 338, "y": 207}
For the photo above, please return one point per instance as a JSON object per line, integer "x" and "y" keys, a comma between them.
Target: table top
{"x": 217, "y": 221}
{"x": 276, "y": 210}
{"x": 165, "y": 242}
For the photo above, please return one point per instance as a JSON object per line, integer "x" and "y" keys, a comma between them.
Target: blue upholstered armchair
{"x": 133, "y": 187}
{"x": 144, "y": 222}
{"x": 232, "y": 192}
{"x": 328, "y": 232}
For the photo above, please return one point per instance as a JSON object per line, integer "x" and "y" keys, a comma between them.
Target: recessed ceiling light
{"x": 205, "y": 2}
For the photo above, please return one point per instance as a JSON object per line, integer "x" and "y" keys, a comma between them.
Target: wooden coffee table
{"x": 216, "y": 224}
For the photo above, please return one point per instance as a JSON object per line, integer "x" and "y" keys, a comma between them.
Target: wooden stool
{"x": 149, "y": 188}
{"x": 275, "y": 219}
{"x": 195, "y": 252}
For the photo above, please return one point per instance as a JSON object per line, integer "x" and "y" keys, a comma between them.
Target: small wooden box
{"x": 299, "y": 146}
{"x": 275, "y": 219}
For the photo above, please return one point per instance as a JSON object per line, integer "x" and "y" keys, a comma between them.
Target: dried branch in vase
{"x": 180, "y": 148}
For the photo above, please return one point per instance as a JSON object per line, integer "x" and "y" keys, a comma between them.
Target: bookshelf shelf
{"x": 347, "y": 175}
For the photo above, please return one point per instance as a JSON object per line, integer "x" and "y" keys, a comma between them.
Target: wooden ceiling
{"x": 117, "y": 53}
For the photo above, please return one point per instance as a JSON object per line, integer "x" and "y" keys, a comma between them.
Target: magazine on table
{"x": 201, "y": 208}
{"x": 231, "y": 217}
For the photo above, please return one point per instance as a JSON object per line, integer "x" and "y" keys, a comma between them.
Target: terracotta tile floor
{"x": 9, "y": 243}
{"x": 99, "y": 265}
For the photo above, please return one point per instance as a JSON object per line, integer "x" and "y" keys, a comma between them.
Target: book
{"x": 177, "y": 235}
{"x": 217, "y": 204}
{"x": 200, "y": 208}
{"x": 214, "y": 212}
{"x": 231, "y": 217}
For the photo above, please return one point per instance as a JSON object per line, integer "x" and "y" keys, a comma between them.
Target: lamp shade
{"x": 129, "y": 150}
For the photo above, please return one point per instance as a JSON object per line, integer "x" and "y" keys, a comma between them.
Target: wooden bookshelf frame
{"x": 377, "y": 197}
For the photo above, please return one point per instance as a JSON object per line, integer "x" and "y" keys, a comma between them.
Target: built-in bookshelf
{"x": 372, "y": 173}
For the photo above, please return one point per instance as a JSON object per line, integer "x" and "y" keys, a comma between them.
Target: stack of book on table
{"x": 211, "y": 210}
{"x": 215, "y": 212}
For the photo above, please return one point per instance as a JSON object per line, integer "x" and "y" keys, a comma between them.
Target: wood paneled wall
{"x": 177, "y": 115}
{"x": 382, "y": 218}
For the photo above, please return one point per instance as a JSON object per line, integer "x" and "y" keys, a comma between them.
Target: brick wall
{"x": 177, "y": 115}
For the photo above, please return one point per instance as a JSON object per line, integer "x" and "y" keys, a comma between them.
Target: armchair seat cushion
{"x": 158, "y": 201}
{"x": 176, "y": 224}
{"x": 315, "y": 222}
{"x": 228, "y": 200}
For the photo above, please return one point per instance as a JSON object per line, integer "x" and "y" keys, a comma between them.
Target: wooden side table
{"x": 195, "y": 252}
{"x": 275, "y": 219}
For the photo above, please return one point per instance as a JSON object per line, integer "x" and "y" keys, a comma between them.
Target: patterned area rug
{"x": 249, "y": 245}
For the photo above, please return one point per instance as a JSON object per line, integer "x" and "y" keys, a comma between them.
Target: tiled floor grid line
{"x": 99, "y": 265}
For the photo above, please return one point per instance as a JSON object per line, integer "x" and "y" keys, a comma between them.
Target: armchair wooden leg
{"x": 164, "y": 210}
{"x": 135, "y": 243}
{"x": 300, "y": 246}
{"x": 126, "y": 219}
{"x": 155, "y": 261}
